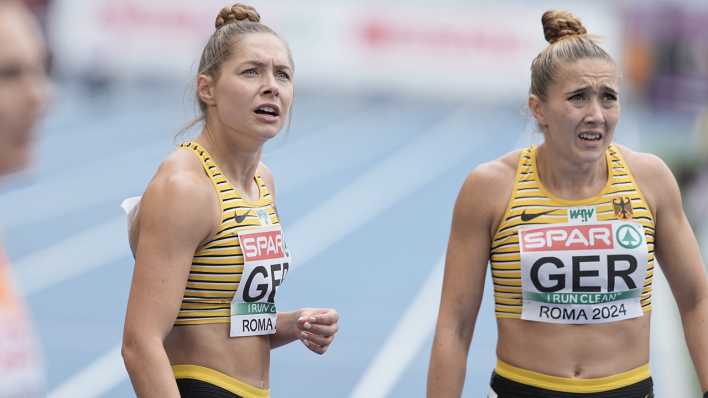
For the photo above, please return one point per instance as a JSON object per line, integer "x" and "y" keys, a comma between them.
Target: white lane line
{"x": 320, "y": 163}
{"x": 105, "y": 373}
{"x": 411, "y": 167}
{"x": 126, "y": 170}
{"x": 425, "y": 158}
{"x": 405, "y": 341}
{"x": 58, "y": 194}
{"x": 97, "y": 245}
{"x": 415, "y": 326}
{"x": 72, "y": 257}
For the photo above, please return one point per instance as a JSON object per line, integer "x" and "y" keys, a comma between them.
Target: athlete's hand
{"x": 317, "y": 327}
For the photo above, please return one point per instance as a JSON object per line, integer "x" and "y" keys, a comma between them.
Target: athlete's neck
{"x": 237, "y": 160}
{"x": 570, "y": 178}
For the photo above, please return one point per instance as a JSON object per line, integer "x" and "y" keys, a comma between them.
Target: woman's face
{"x": 581, "y": 109}
{"x": 254, "y": 91}
{"x": 23, "y": 85}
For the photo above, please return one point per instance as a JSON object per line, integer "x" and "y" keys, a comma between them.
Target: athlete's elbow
{"x": 134, "y": 349}
{"x": 130, "y": 353}
{"x": 693, "y": 303}
{"x": 453, "y": 338}
{"x": 460, "y": 327}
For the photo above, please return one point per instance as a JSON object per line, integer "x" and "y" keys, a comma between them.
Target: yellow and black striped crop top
{"x": 531, "y": 205}
{"x": 217, "y": 265}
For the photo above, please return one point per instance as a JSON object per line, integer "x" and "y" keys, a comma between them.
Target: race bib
{"x": 583, "y": 273}
{"x": 266, "y": 262}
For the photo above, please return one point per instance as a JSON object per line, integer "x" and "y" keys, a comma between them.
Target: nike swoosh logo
{"x": 241, "y": 217}
{"x": 528, "y": 217}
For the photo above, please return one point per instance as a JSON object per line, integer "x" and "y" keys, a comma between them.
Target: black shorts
{"x": 196, "y": 381}
{"x": 191, "y": 388}
{"x": 505, "y": 388}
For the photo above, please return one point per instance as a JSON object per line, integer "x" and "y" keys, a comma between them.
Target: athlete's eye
{"x": 10, "y": 72}
{"x": 579, "y": 97}
{"x": 609, "y": 97}
{"x": 250, "y": 72}
{"x": 282, "y": 75}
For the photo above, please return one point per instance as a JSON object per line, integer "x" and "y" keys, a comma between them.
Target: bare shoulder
{"x": 181, "y": 173}
{"x": 180, "y": 195}
{"x": 495, "y": 177}
{"x": 486, "y": 190}
{"x": 655, "y": 179}
{"x": 643, "y": 163}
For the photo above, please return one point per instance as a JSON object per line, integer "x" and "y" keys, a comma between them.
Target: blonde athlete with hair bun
{"x": 209, "y": 247}
{"x": 24, "y": 91}
{"x": 571, "y": 229}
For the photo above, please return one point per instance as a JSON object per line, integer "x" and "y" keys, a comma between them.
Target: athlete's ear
{"x": 205, "y": 89}
{"x": 536, "y": 107}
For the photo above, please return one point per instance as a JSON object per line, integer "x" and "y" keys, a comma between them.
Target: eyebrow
{"x": 262, "y": 64}
{"x": 586, "y": 88}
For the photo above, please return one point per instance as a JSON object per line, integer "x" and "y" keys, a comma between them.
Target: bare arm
{"x": 172, "y": 225}
{"x": 463, "y": 283}
{"x": 679, "y": 256}
{"x": 315, "y": 327}
{"x": 286, "y": 330}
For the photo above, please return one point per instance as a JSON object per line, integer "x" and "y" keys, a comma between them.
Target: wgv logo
{"x": 582, "y": 215}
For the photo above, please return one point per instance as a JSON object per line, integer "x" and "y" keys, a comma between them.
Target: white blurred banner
{"x": 451, "y": 49}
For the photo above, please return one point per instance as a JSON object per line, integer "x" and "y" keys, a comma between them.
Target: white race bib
{"x": 266, "y": 262}
{"x": 583, "y": 273}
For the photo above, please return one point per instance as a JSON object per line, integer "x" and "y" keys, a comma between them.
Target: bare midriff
{"x": 574, "y": 351}
{"x": 246, "y": 359}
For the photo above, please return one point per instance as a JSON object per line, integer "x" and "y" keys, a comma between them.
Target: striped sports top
{"x": 218, "y": 264}
{"x": 532, "y": 205}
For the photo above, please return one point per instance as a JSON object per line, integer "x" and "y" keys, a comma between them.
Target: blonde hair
{"x": 568, "y": 42}
{"x": 232, "y": 23}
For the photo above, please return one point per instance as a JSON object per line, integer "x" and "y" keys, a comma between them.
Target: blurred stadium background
{"x": 395, "y": 102}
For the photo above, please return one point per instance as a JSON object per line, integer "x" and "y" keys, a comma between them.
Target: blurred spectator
{"x": 24, "y": 93}
{"x": 40, "y": 9}
{"x": 697, "y": 183}
{"x": 666, "y": 54}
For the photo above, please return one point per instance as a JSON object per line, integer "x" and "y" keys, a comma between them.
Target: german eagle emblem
{"x": 623, "y": 208}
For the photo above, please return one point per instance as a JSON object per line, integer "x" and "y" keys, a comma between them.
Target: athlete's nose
{"x": 594, "y": 114}
{"x": 270, "y": 86}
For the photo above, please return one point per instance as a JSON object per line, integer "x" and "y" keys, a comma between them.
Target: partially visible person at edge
{"x": 201, "y": 318}
{"x": 24, "y": 91}
{"x": 571, "y": 228}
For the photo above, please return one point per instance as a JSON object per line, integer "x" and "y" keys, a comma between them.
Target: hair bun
{"x": 559, "y": 24}
{"x": 235, "y": 13}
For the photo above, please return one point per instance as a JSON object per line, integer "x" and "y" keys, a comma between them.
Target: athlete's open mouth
{"x": 268, "y": 109}
{"x": 590, "y": 136}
